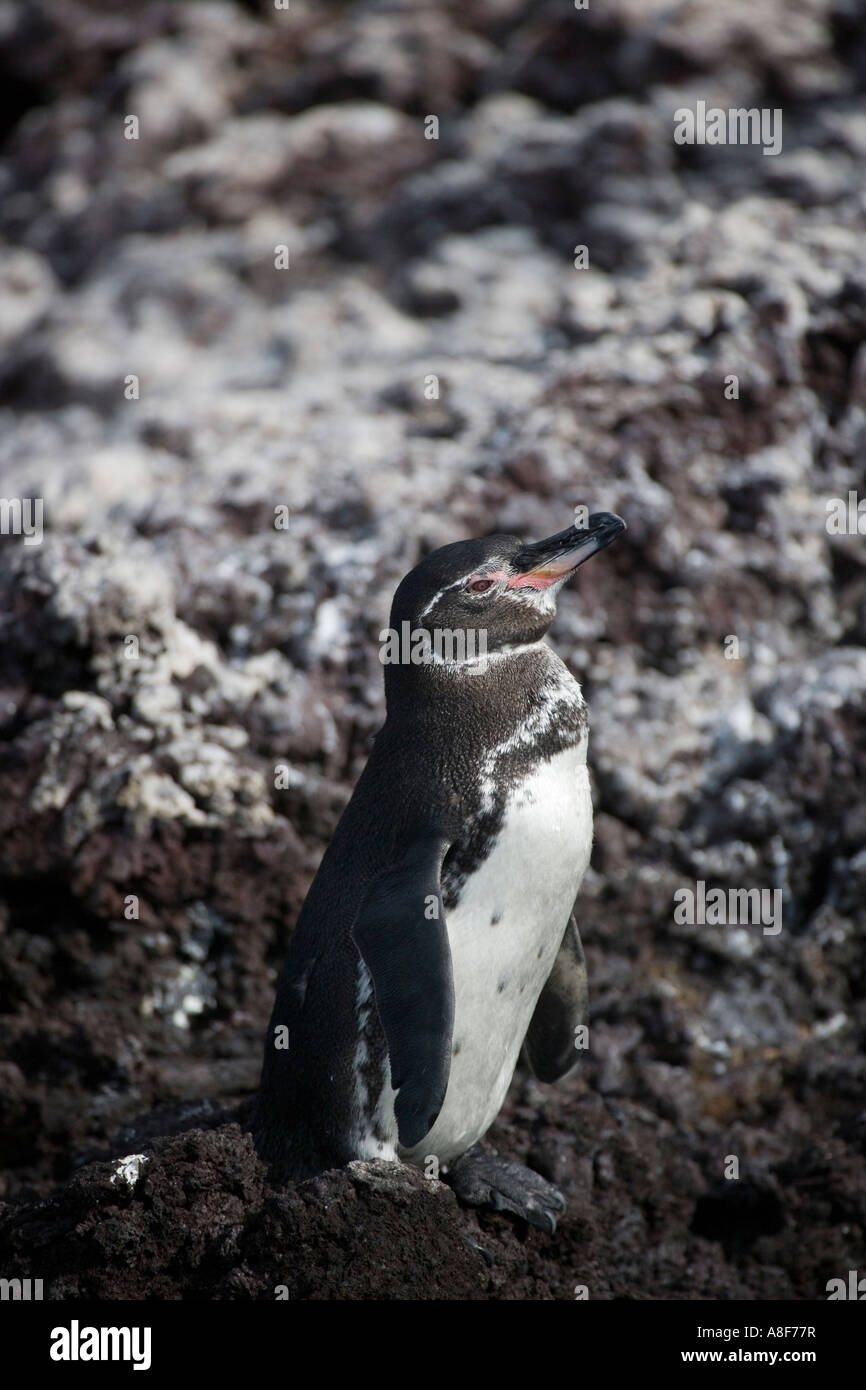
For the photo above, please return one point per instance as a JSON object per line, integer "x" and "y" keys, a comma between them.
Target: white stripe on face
{"x": 495, "y": 575}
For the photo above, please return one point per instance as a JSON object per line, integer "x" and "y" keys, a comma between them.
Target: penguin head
{"x": 498, "y": 592}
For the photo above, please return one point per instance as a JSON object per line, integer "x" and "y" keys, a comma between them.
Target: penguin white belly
{"x": 504, "y": 934}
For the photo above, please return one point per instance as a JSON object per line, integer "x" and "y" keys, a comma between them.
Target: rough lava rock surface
{"x": 139, "y": 776}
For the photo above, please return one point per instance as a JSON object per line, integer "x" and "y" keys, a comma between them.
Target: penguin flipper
{"x": 563, "y": 1006}
{"x": 401, "y": 934}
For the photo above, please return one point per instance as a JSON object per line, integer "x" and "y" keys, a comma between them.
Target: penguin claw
{"x": 532, "y": 1212}
{"x": 479, "y": 1250}
{"x": 485, "y": 1180}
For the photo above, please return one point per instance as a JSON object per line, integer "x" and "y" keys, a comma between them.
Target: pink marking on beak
{"x": 536, "y": 579}
{"x": 547, "y": 573}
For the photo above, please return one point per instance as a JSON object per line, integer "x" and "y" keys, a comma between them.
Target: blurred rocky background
{"x": 148, "y": 785}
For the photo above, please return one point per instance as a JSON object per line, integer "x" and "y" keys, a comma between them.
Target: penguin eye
{"x": 480, "y": 586}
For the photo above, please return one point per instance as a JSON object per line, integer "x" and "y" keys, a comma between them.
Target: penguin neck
{"x": 426, "y": 680}
{"x": 491, "y": 697}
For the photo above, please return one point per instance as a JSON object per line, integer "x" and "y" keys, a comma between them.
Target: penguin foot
{"x": 482, "y": 1179}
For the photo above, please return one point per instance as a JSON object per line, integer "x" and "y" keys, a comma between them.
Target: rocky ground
{"x": 166, "y": 388}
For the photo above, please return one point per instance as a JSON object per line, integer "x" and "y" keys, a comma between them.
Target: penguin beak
{"x": 544, "y": 563}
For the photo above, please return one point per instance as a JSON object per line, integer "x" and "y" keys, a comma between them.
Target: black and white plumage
{"x": 438, "y": 933}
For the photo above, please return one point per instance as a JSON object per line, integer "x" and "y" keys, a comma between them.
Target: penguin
{"x": 438, "y": 937}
